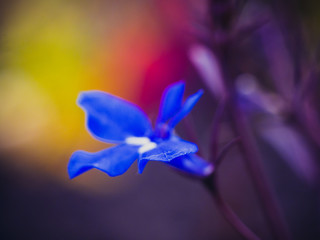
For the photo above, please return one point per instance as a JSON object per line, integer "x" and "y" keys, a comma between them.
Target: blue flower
{"x": 114, "y": 120}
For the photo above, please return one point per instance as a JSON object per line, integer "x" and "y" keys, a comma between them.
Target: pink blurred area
{"x": 52, "y": 50}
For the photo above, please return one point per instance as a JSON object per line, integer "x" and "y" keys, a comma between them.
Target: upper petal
{"x": 193, "y": 165}
{"x": 114, "y": 161}
{"x": 166, "y": 151}
{"x": 186, "y": 108}
{"x": 171, "y": 102}
{"x": 112, "y": 119}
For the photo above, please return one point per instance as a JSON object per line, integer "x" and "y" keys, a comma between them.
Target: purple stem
{"x": 252, "y": 159}
{"x": 225, "y": 150}
{"x": 226, "y": 211}
{"x": 215, "y": 127}
{"x": 211, "y": 183}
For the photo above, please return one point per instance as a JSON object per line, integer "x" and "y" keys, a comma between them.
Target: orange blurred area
{"x": 258, "y": 66}
{"x": 52, "y": 50}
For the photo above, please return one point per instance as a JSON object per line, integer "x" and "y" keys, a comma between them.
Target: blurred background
{"x": 50, "y": 50}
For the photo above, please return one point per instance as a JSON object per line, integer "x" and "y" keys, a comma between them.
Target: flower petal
{"x": 208, "y": 66}
{"x": 141, "y": 165}
{"x": 186, "y": 108}
{"x": 166, "y": 151}
{"x": 192, "y": 164}
{"x": 112, "y": 119}
{"x": 114, "y": 161}
{"x": 171, "y": 102}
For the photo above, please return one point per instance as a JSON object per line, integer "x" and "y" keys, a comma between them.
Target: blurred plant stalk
{"x": 219, "y": 65}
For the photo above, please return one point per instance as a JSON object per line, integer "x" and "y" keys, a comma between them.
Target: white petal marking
{"x": 147, "y": 147}
{"x": 139, "y": 141}
{"x": 144, "y": 143}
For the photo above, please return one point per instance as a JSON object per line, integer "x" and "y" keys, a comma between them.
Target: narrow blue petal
{"x": 193, "y": 165}
{"x": 114, "y": 161}
{"x": 186, "y": 108}
{"x": 141, "y": 165}
{"x": 171, "y": 102}
{"x": 112, "y": 119}
{"x": 168, "y": 150}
